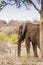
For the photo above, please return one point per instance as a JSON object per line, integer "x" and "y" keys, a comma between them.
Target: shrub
{"x": 3, "y": 37}
{"x": 13, "y": 38}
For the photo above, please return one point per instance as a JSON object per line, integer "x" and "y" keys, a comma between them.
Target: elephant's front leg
{"x": 35, "y": 49}
{"x": 27, "y": 42}
{"x": 19, "y": 48}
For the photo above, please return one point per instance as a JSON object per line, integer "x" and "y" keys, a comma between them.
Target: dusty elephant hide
{"x": 29, "y": 32}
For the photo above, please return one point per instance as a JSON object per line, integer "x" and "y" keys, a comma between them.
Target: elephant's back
{"x": 33, "y": 30}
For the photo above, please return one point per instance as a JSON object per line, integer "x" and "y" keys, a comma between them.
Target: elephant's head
{"x": 22, "y": 31}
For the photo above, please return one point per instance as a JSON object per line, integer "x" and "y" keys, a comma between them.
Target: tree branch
{"x": 35, "y": 7}
{"x": 18, "y": 3}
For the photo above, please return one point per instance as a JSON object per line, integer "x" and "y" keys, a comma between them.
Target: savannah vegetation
{"x": 12, "y": 38}
{"x": 18, "y": 3}
{"x": 26, "y": 3}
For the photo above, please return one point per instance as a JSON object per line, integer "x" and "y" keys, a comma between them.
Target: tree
{"x": 18, "y": 3}
{"x": 41, "y": 29}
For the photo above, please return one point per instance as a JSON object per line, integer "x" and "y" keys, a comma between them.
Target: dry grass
{"x": 8, "y": 56}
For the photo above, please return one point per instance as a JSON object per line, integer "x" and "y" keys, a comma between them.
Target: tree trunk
{"x": 41, "y": 30}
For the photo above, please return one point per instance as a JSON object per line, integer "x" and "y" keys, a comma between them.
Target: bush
{"x": 12, "y": 38}
{"x": 3, "y": 37}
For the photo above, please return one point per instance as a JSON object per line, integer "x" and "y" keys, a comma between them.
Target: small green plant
{"x": 13, "y": 38}
{"x": 3, "y": 37}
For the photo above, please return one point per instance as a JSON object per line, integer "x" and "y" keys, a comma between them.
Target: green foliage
{"x": 3, "y": 37}
{"x": 12, "y": 38}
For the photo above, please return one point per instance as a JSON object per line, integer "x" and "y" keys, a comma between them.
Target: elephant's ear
{"x": 20, "y": 29}
{"x": 24, "y": 29}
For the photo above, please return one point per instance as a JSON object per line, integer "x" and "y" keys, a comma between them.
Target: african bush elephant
{"x": 29, "y": 32}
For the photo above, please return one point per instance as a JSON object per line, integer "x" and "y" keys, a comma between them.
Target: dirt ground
{"x": 8, "y": 55}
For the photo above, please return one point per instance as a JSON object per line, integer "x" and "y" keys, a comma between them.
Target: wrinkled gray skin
{"x": 29, "y": 32}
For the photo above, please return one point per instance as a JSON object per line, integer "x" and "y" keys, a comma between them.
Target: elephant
{"x": 30, "y": 33}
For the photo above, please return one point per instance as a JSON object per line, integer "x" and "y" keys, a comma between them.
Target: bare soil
{"x": 8, "y": 55}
